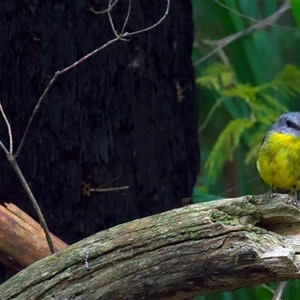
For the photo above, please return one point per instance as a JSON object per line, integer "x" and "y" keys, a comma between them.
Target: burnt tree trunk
{"x": 125, "y": 117}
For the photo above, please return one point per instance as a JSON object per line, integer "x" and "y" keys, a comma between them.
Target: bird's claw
{"x": 292, "y": 200}
{"x": 268, "y": 196}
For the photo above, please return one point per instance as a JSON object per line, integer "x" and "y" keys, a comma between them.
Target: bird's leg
{"x": 269, "y": 195}
{"x": 292, "y": 199}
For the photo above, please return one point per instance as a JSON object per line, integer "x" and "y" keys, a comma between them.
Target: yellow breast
{"x": 279, "y": 161}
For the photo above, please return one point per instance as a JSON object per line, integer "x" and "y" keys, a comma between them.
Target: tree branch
{"x": 12, "y": 158}
{"x": 216, "y": 246}
{"x": 22, "y": 240}
{"x": 101, "y": 12}
{"x": 222, "y": 43}
{"x": 122, "y": 37}
{"x": 8, "y": 130}
{"x": 30, "y": 195}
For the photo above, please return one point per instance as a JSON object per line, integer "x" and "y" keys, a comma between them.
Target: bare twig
{"x": 124, "y": 24}
{"x": 4, "y": 148}
{"x": 12, "y": 158}
{"x": 13, "y": 162}
{"x": 25, "y": 186}
{"x": 112, "y": 25}
{"x": 109, "y": 189}
{"x": 75, "y": 64}
{"x": 127, "y": 17}
{"x": 8, "y": 129}
{"x": 87, "y": 189}
{"x": 210, "y": 113}
{"x": 239, "y": 185}
{"x": 154, "y": 25}
{"x": 54, "y": 78}
{"x": 100, "y": 12}
{"x": 279, "y": 291}
{"x": 229, "y": 39}
{"x": 252, "y": 19}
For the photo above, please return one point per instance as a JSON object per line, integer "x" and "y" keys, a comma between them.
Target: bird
{"x": 278, "y": 162}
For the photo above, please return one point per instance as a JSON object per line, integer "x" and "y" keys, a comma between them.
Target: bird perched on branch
{"x": 279, "y": 156}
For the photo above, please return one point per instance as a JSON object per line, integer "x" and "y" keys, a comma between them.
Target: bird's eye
{"x": 288, "y": 123}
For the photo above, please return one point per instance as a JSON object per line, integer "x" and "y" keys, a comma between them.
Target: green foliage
{"x": 225, "y": 145}
{"x": 253, "y": 80}
{"x": 216, "y": 77}
{"x": 288, "y": 81}
{"x": 258, "y": 292}
{"x": 244, "y": 294}
{"x": 263, "y": 111}
{"x": 296, "y": 10}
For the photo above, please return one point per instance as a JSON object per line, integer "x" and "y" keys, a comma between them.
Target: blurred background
{"x": 247, "y": 59}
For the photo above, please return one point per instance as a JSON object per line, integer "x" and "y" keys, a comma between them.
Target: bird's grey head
{"x": 288, "y": 123}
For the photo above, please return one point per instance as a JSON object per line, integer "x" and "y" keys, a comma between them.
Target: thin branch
{"x": 112, "y": 25}
{"x": 27, "y": 189}
{"x": 125, "y": 22}
{"x": 268, "y": 288}
{"x": 239, "y": 185}
{"x": 109, "y": 189}
{"x": 13, "y": 158}
{"x": 252, "y": 19}
{"x": 4, "y": 148}
{"x": 259, "y": 25}
{"x": 8, "y": 129}
{"x": 54, "y": 78}
{"x": 154, "y": 25}
{"x": 229, "y": 39}
{"x": 127, "y": 17}
{"x": 210, "y": 113}
{"x": 279, "y": 291}
{"x": 75, "y": 64}
{"x": 100, "y": 12}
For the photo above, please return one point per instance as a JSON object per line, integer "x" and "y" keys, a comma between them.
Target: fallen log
{"x": 22, "y": 240}
{"x": 198, "y": 249}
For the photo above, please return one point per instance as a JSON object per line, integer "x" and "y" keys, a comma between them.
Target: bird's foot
{"x": 268, "y": 196}
{"x": 292, "y": 199}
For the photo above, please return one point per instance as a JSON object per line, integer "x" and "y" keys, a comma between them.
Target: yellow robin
{"x": 279, "y": 156}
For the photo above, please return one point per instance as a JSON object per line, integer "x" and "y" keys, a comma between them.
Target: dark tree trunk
{"x": 125, "y": 117}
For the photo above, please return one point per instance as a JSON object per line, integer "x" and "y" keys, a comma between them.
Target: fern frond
{"x": 225, "y": 146}
{"x": 271, "y": 101}
{"x": 244, "y": 91}
{"x": 264, "y": 110}
{"x": 216, "y": 77}
{"x": 252, "y": 154}
{"x": 288, "y": 81}
{"x": 255, "y": 143}
{"x": 265, "y": 114}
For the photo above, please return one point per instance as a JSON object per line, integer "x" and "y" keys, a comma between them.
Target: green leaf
{"x": 288, "y": 80}
{"x": 225, "y": 146}
{"x": 295, "y": 4}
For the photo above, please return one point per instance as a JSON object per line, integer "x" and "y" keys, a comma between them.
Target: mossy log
{"x": 194, "y": 250}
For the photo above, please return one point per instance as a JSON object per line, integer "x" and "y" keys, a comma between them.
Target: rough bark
{"x": 125, "y": 117}
{"x": 216, "y": 246}
{"x": 22, "y": 240}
